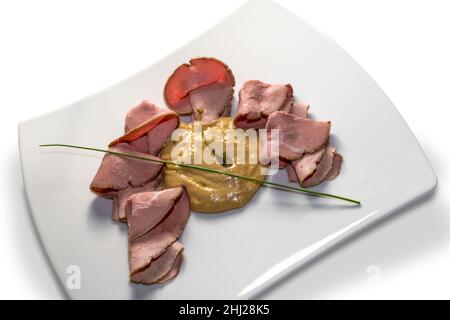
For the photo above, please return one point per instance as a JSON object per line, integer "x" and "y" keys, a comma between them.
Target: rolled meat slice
{"x": 335, "y": 168}
{"x": 147, "y": 127}
{"x": 307, "y": 165}
{"x": 322, "y": 170}
{"x": 297, "y": 135}
{"x": 145, "y": 249}
{"x": 299, "y": 169}
{"x": 161, "y": 269}
{"x": 200, "y": 73}
{"x": 118, "y": 173}
{"x": 174, "y": 271}
{"x": 257, "y": 100}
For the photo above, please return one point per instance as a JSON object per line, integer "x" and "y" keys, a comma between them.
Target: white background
{"x": 55, "y": 52}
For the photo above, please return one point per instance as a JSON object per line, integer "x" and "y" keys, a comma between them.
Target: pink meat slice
{"x": 146, "y": 209}
{"x": 119, "y": 206}
{"x": 292, "y": 175}
{"x": 198, "y": 73}
{"x": 140, "y": 114}
{"x": 154, "y": 243}
{"x": 174, "y": 271}
{"x": 160, "y": 267}
{"x": 322, "y": 170}
{"x": 306, "y": 165}
{"x": 335, "y": 168}
{"x": 227, "y": 111}
{"x": 300, "y": 109}
{"x": 298, "y": 135}
{"x": 211, "y": 102}
{"x": 119, "y": 172}
{"x": 283, "y": 164}
{"x": 115, "y": 213}
{"x": 147, "y": 127}
{"x": 257, "y": 100}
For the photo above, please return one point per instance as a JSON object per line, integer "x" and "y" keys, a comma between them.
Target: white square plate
{"x": 239, "y": 254}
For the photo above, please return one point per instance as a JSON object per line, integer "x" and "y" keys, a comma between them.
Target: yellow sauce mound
{"x": 212, "y": 192}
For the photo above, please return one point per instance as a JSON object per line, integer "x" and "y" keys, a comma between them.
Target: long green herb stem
{"x": 200, "y": 168}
